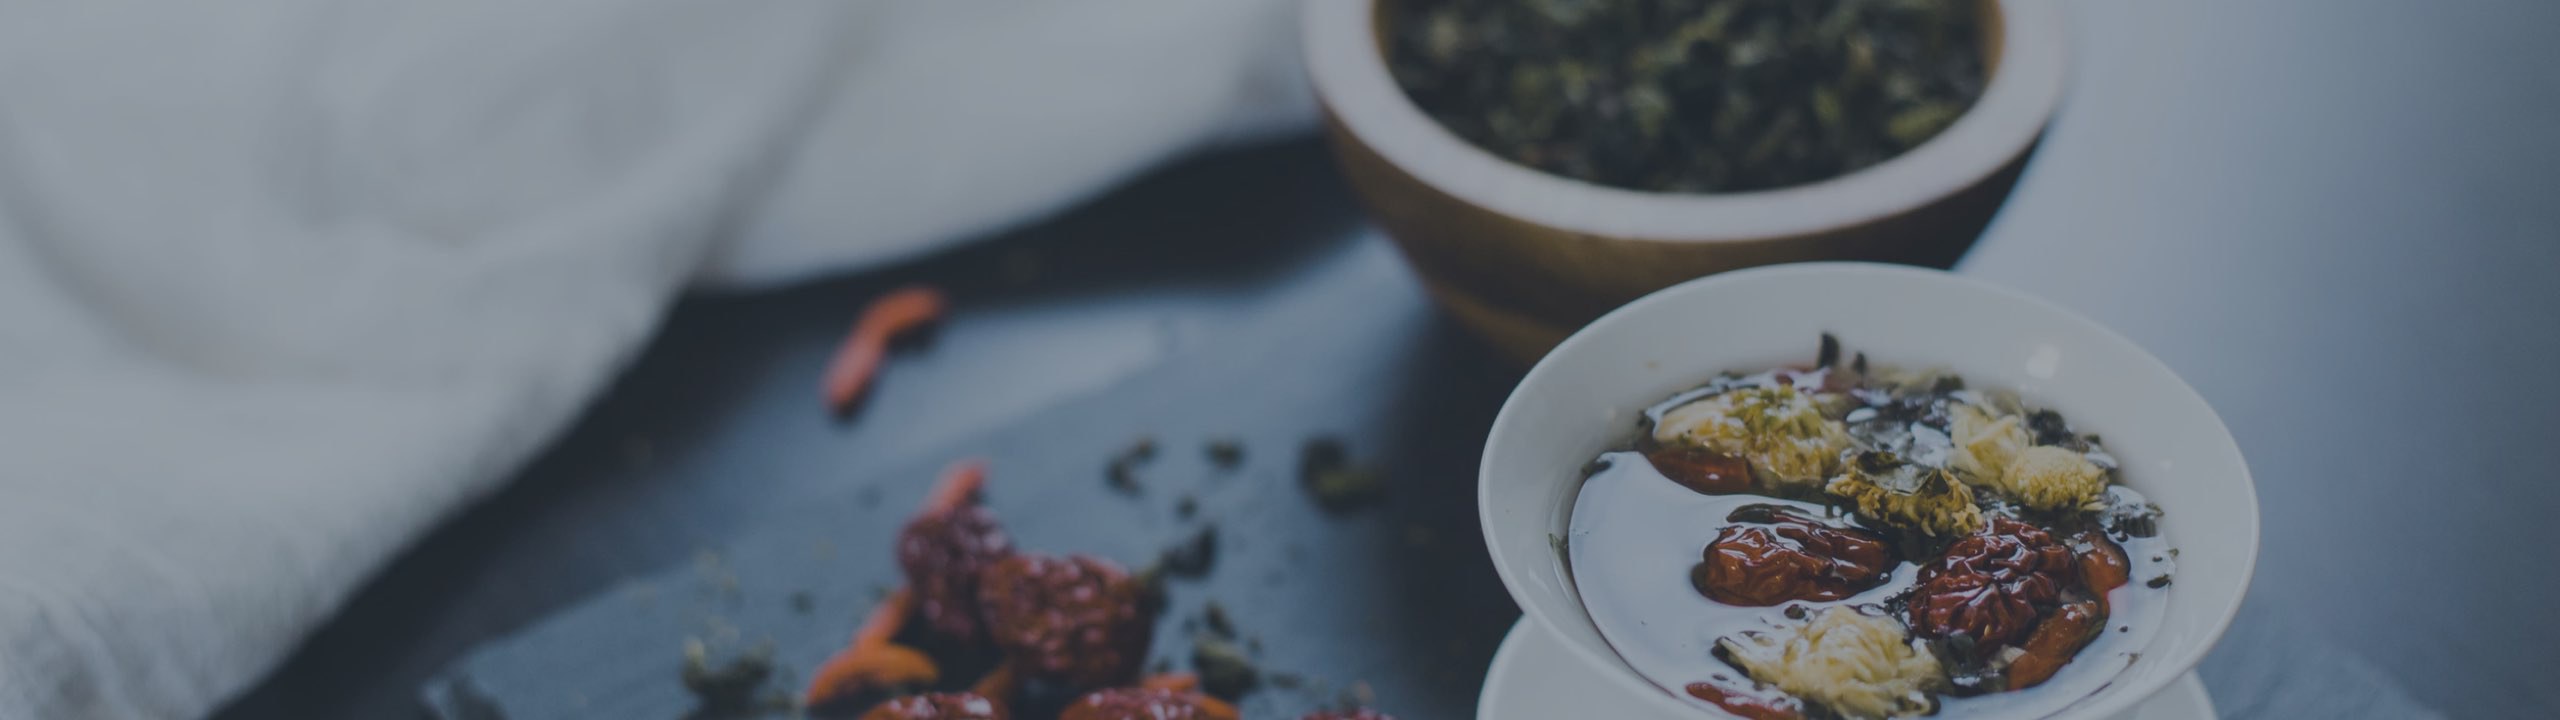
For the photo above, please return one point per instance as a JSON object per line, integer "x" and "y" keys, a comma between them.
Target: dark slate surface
{"x": 1396, "y": 595}
{"x": 1245, "y": 271}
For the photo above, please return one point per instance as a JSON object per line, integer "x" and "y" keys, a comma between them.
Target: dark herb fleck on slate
{"x": 1326, "y": 471}
{"x": 1194, "y": 556}
{"x": 1226, "y": 453}
{"x": 1225, "y": 672}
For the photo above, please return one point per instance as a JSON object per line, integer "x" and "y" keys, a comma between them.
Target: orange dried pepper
{"x": 988, "y": 700}
{"x": 1215, "y": 708}
{"x": 1177, "y": 682}
{"x": 858, "y": 360}
{"x": 1189, "y": 685}
{"x": 2054, "y": 642}
{"x": 998, "y": 685}
{"x": 958, "y": 487}
{"x": 871, "y": 661}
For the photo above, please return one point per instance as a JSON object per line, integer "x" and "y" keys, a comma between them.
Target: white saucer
{"x": 1535, "y": 678}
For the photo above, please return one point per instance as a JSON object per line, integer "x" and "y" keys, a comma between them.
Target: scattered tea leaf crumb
{"x": 1215, "y": 617}
{"x": 1122, "y": 474}
{"x": 1186, "y": 507}
{"x": 1193, "y": 557}
{"x": 728, "y": 685}
{"x": 1225, "y": 672}
{"x": 1122, "y": 479}
{"x": 802, "y": 603}
{"x": 1326, "y": 471}
{"x": 1151, "y": 593}
{"x": 1226, "y": 453}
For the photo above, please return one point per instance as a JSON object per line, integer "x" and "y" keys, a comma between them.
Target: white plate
{"x": 1535, "y": 678}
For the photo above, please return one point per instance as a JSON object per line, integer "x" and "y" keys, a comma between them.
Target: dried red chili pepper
{"x": 1778, "y": 556}
{"x": 871, "y": 662}
{"x": 1706, "y": 471}
{"x": 1079, "y": 620}
{"x": 2102, "y": 563}
{"x": 858, "y": 359}
{"x": 1990, "y": 586}
{"x": 2054, "y": 642}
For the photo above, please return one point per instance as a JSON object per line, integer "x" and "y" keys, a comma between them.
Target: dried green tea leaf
{"x": 1690, "y": 95}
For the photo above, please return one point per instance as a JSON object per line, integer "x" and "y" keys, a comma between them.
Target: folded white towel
{"x": 282, "y": 282}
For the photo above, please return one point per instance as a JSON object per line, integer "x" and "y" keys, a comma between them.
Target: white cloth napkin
{"x": 282, "y": 282}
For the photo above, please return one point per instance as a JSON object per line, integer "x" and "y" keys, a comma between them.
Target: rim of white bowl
{"x": 1613, "y": 667}
{"x": 1351, "y": 77}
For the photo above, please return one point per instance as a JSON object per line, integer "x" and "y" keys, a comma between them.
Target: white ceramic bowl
{"x": 1585, "y": 396}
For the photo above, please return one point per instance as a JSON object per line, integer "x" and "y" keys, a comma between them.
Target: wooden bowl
{"x": 1524, "y": 257}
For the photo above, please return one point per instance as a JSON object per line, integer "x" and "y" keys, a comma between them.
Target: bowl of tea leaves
{"x": 1541, "y": 162}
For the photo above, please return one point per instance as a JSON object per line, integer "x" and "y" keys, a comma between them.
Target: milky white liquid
{"x": 1636, "y": 534}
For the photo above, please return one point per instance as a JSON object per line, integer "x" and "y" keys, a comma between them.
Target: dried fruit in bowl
{"x": 1991, "y": 587}
{"x": 1774, "y": 555}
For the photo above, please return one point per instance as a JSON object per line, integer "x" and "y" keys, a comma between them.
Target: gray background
{"x": 2336, "y": 219}
{"x": 2341, "y": 222}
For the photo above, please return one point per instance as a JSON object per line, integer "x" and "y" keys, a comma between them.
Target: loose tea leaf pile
{"x": 1690, "y": 95}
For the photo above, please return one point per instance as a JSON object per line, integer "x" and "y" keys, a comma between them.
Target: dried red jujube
{"x": 1777, "y": 555}
{"x": 942, "y": 554}
{"x": 1146, "y": 704}
{"x": 1992, "y": 585}
{"x": 1706, "y": 471}
{"x": 938, "y": 706}
{"x": 1079, "y": 620}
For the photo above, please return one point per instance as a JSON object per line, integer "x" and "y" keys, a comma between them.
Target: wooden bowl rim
{"x": 1351, "y": 79}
